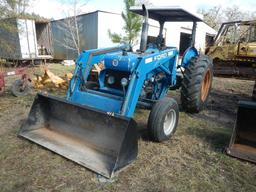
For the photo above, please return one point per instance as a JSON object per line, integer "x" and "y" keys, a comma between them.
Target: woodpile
{"x": 50, "y": 80}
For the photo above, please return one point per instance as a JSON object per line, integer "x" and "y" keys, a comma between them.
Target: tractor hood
{"x": 121, "y": 61}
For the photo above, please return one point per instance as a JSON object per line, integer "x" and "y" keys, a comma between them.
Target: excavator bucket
{"x": 91, "y": 138}
{"x": 243, "y": 141}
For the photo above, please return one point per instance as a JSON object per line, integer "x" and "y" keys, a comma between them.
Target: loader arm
{"x": 146, "y": 66}
{"x": 125, "y": 103}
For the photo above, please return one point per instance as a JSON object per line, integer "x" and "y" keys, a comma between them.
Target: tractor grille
{"x": 118, "y": 75}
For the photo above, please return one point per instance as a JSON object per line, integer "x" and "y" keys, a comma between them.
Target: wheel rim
{"x": 169, "y": 122}
{"x": 1, "y": 90}
{"x": 20, "y": 88}
{"x": 206, "y": 85}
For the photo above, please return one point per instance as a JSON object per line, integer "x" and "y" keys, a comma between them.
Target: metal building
{"x": 92, "y": 29}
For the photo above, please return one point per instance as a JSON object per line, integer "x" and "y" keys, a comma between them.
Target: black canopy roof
{"x": 169, "y": 13}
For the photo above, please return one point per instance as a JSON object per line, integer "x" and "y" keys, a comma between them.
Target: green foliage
{"x": 116, "y": 38}
{"x": 17, "y": 9}
{"x": 33, "y": 16}
{"x": 131, "y": 28}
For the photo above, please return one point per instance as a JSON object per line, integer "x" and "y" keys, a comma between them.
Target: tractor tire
{"x": 163, "y": 119}
{"x": 90, "y": 85}
{"x": 17, "y": 89}
{"x": 196, "y": 84}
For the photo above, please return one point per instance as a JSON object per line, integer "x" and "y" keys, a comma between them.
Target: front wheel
{"x": 163, "y": 119}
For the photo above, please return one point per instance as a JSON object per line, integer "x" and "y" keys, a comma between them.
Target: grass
{"x": 193, "y": 160}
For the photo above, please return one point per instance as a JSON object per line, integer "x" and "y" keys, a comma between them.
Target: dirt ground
{"x": 193, "y": 160}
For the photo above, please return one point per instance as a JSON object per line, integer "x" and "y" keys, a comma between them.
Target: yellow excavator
{"x": 233, "y": 51}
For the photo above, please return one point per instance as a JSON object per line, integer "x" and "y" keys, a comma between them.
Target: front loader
{"x": 243, "y": 140}
{"x": 94, "y": 124}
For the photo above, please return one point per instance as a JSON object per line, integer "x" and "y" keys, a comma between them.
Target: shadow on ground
{"x": 218, "y": 139}
{"x": 222, "y": 107}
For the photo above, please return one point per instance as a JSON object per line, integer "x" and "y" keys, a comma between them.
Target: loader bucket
{"x": 243, "y": 141}
{"x": 91, "y": 138}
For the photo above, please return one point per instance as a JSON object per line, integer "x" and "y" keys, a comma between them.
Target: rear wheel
{"x": 196, "y": 84}
{"x": 19, "y": 90}
{"x": 163, "y": 119}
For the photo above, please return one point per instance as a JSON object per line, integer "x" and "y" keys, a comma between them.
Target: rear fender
{"x": 188, "y": 55}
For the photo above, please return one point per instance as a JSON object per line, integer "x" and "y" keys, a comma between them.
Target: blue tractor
{"x": 94, "y": 125}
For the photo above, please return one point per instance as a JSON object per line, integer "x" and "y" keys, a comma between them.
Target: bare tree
{"x": 14, "y": 7}
{"x": 71, "y": 25}
{"x": 213, "y": 16}
{"x": 233, "y": 14}
{"x": 217, "y": 15}
{"x": 22, "y": 6}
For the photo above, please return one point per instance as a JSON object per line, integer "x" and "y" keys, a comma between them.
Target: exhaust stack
{"x": 144, "y": 32}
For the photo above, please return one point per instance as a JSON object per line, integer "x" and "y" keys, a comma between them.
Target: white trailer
{"x": 25, "y": 39}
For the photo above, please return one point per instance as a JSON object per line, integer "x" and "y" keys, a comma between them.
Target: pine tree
{"x": 131, "y": 28}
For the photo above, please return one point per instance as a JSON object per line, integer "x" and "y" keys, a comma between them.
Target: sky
{"x": 57, "y": 9}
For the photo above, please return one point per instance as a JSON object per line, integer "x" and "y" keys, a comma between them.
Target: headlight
{"x": 111, "y": 80}
{"x": 124, "y": 82}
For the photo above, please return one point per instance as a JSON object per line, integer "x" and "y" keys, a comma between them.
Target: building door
{"x": 185, "y": 41}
